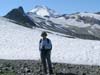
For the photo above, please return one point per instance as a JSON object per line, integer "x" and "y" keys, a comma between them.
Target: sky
{"x": 60, "y": 6}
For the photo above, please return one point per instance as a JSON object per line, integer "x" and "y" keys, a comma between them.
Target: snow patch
{"x": 17, "y": 42}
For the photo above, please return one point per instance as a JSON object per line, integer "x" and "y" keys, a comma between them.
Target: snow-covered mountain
{"x": 43, "y": 11}
{"x": 18, "y": 42}
{"x": 77, "y": 25}
{"x": 81, "y": 25}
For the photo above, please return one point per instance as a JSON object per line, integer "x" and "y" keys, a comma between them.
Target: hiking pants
{"x": 46, "y": 60}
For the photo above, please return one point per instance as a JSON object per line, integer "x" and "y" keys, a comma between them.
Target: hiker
{"x": 45, "y": 47}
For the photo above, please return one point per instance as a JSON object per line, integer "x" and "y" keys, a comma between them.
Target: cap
{"x": 44, "y": 33}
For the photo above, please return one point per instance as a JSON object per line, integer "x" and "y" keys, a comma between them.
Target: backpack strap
{"x": 48, "y": 40}
{"x": 40, "y": 40}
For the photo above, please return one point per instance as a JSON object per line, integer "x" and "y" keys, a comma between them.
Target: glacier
{"x": 18, "y": 42}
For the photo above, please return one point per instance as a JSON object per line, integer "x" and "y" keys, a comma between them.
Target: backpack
{"x": 48, "y": 46}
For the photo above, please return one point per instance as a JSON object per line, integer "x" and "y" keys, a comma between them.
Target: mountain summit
{"x": 43, "y": 11}
{"x": 79, "y": 25}
{"x": 20, "y": 17}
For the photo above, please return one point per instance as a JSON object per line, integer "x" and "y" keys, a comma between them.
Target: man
{"x": 45, "y": 47}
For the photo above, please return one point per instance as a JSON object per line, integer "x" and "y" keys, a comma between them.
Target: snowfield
{"x": 17, "y": 42}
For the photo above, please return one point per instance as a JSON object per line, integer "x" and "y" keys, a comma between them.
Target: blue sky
{"x": 61, "y": 6}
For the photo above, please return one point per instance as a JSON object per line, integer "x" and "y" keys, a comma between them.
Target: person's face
{"x": 44, "y": 36}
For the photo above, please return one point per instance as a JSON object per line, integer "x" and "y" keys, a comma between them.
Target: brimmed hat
{"x": 44, "y": 33}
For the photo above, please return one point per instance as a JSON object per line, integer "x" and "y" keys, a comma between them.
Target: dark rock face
{"x": 20, "y": 17}
{"x": 98, "y": 13}
{"x": 89, "y": 20}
